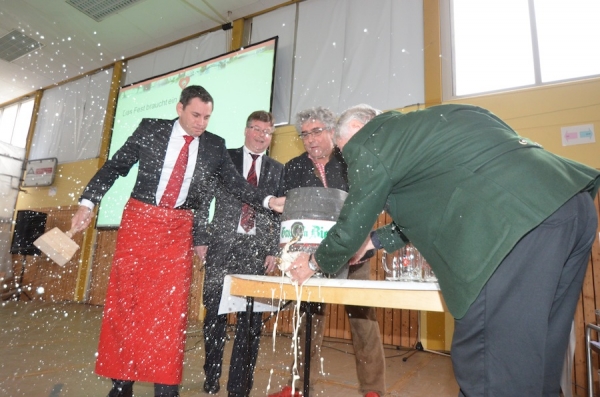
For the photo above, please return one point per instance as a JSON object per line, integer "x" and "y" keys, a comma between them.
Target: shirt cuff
{"x": 87, "y": 203}
{"x": 266, "y": 202}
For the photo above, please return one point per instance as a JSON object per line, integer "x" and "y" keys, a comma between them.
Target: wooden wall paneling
{"x": 585, "y": 313}
{"x": 272, "y": 323}
{"x": 388, "y": 320}
{"x": 36, "y": 276}
{"x": 268, "y": 323}
{"x": 286, "y": 324}
{"x": 396, "y": 328}
{"x": 69, "y": 274}
{"x": 332, "y": 314}
{"x": 106, "y": 240}
{"x": 589, "y": 316}
{"x": 195, "y": 306}
{"x": 23, "y": 263}
{"x": 7, "y": 285}
{"x": 60, "y": 281}
{"x": 283, "y": 321}
{"x": 231, "y": 319}
{"x": 347, "y": 331}
{"x": 380, "y": 312}
{"x": 405, "y": 329}
{"x": 330, "y": 320}
{"x": 414, "y": 328}
{"x": 579, "y": 360}
{"x": 341, "y": 329}
{"x": 47, "y": 280}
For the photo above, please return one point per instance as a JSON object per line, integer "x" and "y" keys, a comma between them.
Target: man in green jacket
{"x": 506, "y": 226}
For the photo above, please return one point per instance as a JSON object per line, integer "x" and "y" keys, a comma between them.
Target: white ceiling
{"x": 75, "y": 43}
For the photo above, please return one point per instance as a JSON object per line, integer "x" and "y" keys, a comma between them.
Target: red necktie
{"x": 247, "y": 220}
{"x": 169, "y": 197}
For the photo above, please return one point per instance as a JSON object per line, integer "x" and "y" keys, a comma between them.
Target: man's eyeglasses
{"x": 315, "y": 132}
{"x": 267, "y": 131}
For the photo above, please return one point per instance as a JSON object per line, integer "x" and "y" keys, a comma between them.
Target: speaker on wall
{"x": 29, "y": 226}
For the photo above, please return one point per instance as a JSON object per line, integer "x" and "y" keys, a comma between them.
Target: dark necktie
{"x": 247, "y": 220}
{"x": 169, "y": 197}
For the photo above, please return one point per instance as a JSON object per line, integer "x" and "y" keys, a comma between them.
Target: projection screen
{"x": 240, "y": 82}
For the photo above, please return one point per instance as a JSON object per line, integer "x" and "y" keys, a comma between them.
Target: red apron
{"x": 142, "y": 337}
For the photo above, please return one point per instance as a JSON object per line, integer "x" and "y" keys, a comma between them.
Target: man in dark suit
{"x": 506, "y": 226}
{"x": 234, "y": 248}
{"x": 142, "y": 335}
{"x": 322, "y": 165}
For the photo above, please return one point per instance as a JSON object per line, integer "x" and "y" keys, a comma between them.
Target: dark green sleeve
{"x": 369, "y": 189}
{"x": 391, "y": 237}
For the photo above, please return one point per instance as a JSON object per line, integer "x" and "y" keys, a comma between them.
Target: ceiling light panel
{"x": 15, "y": 44}
{"x": 100, "y": 9}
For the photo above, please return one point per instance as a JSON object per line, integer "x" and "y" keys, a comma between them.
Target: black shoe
{"x": 211, "y": 387}
{"x": 121, "y": 388}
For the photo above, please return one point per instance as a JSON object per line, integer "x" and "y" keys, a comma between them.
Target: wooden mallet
{"x": 58, "y": 245}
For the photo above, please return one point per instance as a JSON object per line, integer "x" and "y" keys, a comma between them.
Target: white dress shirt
{"x": 176, "y": 142}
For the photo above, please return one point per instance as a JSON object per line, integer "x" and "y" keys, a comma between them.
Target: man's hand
{"x": 201, "y": 252}
{"x": 271, "y": 263}
{"x": 81, "y": 220}
{"x": 299, "y": 271}
{"x": 277, "y": 203}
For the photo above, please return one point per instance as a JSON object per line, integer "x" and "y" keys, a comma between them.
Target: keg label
{"x": 311, "y": 231}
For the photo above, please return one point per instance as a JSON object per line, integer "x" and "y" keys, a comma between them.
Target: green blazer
{"x": 459, "y": 183}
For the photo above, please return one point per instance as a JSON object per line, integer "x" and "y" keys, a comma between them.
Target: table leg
{"x": 249, "y": 312}
{"x": 307, "y": 344}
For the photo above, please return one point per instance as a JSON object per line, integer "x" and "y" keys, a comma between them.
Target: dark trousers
{"x": 214, "y": 338}
{"x": 513, "y": 338}
{"x": 221, "y": 261}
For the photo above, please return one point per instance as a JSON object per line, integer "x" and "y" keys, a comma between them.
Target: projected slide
{"x": 240, "y": 82}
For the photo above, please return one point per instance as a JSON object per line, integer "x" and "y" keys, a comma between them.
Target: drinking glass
{"x": 428, "y": 275}
{"x": 391, "y": 265}
{"x": 411, "y": 260}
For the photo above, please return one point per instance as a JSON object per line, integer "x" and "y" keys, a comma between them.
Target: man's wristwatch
{"x": 312, "y": 264}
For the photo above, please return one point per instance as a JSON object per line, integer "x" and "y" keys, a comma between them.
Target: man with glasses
{"x": 240, "y": 242}
{"x": 322, "y": 165}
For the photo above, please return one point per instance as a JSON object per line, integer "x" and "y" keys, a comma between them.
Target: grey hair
{"x": 318, "y": 113}
{"x": 363, "y": 113}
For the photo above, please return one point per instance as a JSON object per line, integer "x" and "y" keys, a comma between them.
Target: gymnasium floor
{"x": 48, "y": 349}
